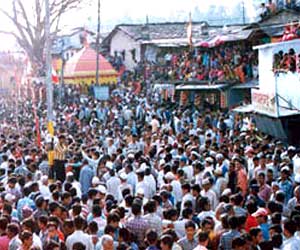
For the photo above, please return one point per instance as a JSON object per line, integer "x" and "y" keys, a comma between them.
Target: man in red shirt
{"x": 251, "y": 220}
{"x": 4, "y": 240}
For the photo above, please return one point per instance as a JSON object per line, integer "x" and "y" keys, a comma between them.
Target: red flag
{"x": 38, "y": 133}
{"x": 36, "y": 118}
{"x": 55, "y": 78}
{"x": 137, "y": 87}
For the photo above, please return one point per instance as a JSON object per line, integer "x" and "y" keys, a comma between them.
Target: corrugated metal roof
{"x": 173, "y": 31}
{"x": 283, "y": 16}
{"x": 247, "y": 85}
{"x": 250, "y": 109}
{"x": 291, "y": 43}
{"x": 244, "y": 109}
{"x": 200, "y": 87}
{"x": 268, "y": 25}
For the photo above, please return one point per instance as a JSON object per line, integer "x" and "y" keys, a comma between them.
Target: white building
{"x": 276, "y": 103}
{"x": 278, "y": 94}
{"x": 137, "y": 42}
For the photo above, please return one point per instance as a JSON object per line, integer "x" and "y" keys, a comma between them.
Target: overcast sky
{"x": 115, "y": 10}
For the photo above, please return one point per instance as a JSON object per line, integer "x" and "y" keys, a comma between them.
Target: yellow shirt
{"x": 51, "y": 157}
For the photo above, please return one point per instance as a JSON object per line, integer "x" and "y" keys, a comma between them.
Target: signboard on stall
{"x": 278, "y": 93}
{"x": 264, "y": 102}
{"x": 101, "y": 93}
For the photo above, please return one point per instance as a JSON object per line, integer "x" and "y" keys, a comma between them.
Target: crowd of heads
{"x": 131, "y": 174}
{"x": 233, "y": 63}
{"x": 286, "y": 62}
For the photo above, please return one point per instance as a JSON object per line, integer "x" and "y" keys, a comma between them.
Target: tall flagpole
{"x": 244, "y": 15}
{"x": 49, "y": 86}
{"x": 190, "y": 32}
{"x": 98, "y": 44}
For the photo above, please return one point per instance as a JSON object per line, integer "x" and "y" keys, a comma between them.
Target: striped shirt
{"x": 138, "y": 226}
{"x": 60, "y": 152}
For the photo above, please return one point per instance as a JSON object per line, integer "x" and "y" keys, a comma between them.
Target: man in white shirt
{"x": 124, "y": 184}
{"x": 28, "y": 224}
{"x": 75, "y": 184}
{"x": 209, "y": 193}
{"x": 93, "y": 160}
{"x": 44, "y": 188}
{"x": 188, "y": 170}
{"x": 176, "y": 186}
{"x": 111, "y": 149}
{"x": 289, "y": 230}
{"x": 154, "y": 124}
{"x": 79, "y": 236}
{"x": 150, "y": 181}
{"x": 106, "y": 243}
{"x": 142, "y": 185}
{"x": 131, "y": 177}
{"x": 187, "y": 196}
{"x": 112, "y": 185}
{"x": 296, "y": 162}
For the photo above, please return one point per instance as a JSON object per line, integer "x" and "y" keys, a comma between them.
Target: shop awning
{"x": 184, "y": 87}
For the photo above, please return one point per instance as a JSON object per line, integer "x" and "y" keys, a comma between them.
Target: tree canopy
{"x": 28, "y": 19}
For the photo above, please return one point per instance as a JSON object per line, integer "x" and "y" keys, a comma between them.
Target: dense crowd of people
{"x": 131, "y": 174}
{"x": 286, "y": 62}
{"x": 225, "y": 63}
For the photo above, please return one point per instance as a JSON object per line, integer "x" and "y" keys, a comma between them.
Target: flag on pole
{"x": 190, "y": 31}
{"x": 55, "y": 78}
{"x": 38, "y": 132}
{"x": 36, "y": 118}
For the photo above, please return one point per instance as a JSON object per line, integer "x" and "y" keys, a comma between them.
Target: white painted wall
{"x": 286, "y": 85}
{"x": 121, "y": 41}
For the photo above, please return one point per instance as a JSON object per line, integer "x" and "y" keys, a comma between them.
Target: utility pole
{"x": 49, "y": 86}
{"x": 244, "y": 14}
{"x": 98, "y": 44}
{"x": 61, "y": 85}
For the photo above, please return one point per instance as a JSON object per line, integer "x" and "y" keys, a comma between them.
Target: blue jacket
{"x": 85, "y": 178}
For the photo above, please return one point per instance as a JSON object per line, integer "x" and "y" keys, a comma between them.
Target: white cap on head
{"x": 218, "y": 171}
{"x": 162, "y": 162}
{"x": 292, "y": 148}
{"x": 27, "y": 157}
{"x": 3, "y": 167}
{"x": 44, "y": 178}
{"x": 209, "y": 160}
{"x": 101, "y": 189}
{"x": 205, "y": 181}
{"x": 226, "y": 192}
{"x": 170, "y": 176}
{"x": 140, "y": 170}
{"x": 109, "y": 165}
{"x": 95, "y": 180}
{"x": 123, "y": 176}
{"x": 219, "y": 156}
{"x": 285, "y": 168}
{"x": 297, "y": 178}
{"x": 143, "y": 166}
{"x": 195, "y": 154}
{"x": 131, "y": 156}
{"x": 140, "y": 191}
{"x": 70, "y": 174}
{"x": 10, "y": 197}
